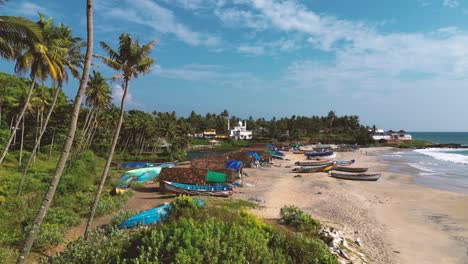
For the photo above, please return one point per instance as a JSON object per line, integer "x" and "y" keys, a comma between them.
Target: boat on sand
{"x": 210, "y": 190}
{"x": 357, "y": 177}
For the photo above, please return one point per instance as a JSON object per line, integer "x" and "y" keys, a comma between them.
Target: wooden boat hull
{"x": 323, "y": 158}
{"x": 318, "y": 153}
{"x": 298, "y": 152}
{"x": 351, "y": 169}
{"x": 356, "y": 177}
{"x": 314, "y": 169}
{"x": 179, "y": 188}
{"x": 313, "y": 163}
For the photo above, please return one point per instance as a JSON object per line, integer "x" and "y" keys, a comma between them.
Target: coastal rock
{"x": 358, "y": 242}
{"x": 257, "y": 199}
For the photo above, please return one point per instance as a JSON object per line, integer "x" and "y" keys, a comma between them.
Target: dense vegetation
{"x": 158, "y": 132}
{"x": 218, "y": 234}
{"x": 74, "y": 197}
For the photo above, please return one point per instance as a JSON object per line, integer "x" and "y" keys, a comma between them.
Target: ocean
{"x": 442, "y": 137}
{"x": 441, "y": 168}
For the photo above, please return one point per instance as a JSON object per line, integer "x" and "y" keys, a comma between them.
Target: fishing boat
{"x": 151, "y": 216}
{"x": 324, "y": 162}
{"x": 298, "y": 152}
{"x": 357, "y": 177}
{"x": 144, "y": 174}
{"x": 211, "y": 190}
{"x": 318, "y": 153}
{"x": 279, "y": 157}
{"x": 148, "y": 217}
{"x": 135, "y": 165}
{"x": 346, "y": 163}
{"x": 329, "y": 157}
{"x": 314, "y": 163}
{"x": 351, "y": 169}
{"x": 324, "y": 168}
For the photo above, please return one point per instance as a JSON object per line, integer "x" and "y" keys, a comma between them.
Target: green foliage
{"x": 76, "y": 190}
{"x": 194, "y": 234}
{"x": 296, "y": 218}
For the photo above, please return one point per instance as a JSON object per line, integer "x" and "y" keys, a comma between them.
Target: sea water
{"x": 441, "y": 168}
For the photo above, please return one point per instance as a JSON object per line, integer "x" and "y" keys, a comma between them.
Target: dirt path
{"x": 143, "y": 199}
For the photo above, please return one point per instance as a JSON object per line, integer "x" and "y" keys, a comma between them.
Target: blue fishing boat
{"x": 151, "y": 216}
{"x": 211, "y": 190}
{"x": 148, "y": 217}
{"x": 135, "y": 165}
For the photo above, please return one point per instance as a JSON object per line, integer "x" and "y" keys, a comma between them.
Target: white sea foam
{"x": 420, "y": 166}
{"x": 440, "y": 154}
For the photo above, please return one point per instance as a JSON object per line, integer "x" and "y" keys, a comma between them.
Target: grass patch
{"x": 195, "y": 234}
{"x": 71, "y": 203}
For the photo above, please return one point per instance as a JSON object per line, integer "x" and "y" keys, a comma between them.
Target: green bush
{"x": 295, "y": 217}
{"x": 195, "y": 234}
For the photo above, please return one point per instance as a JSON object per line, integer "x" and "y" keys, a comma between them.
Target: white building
{"x": 240, "y": 131}
{"x": 380, "y": 134}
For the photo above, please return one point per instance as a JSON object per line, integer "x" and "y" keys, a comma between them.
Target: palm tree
{"x": 33, "y": 232}
{"x": 131, "y": 59}
{"x": 41, "y": 60}
{"x": 17, "y": 33}
{"x": 98, "y": 97}
{"x": 73, "y": 59}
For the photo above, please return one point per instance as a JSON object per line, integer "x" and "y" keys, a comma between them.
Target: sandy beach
{"x": 397, "y": 220}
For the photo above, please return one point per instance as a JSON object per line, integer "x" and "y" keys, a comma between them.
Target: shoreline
{"x": 398, "y": 221}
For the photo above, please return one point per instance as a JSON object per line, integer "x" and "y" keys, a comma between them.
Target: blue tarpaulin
{"x": 272, "y": 147}
{"x": 254, "y": 154}
{"x": 234, "y": 164}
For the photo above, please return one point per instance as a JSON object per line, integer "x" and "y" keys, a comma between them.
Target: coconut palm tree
{"x": 17, "y": 33}
{"x": 98, "y": 98}
{"x": 73, "y": 60}
{"x": 42, "y": 61}
{"x": 131, "y": 59}
{"x": 48, "y": 197}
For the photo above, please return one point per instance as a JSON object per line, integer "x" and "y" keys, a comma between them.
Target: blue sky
{"x": 400, "y": 64}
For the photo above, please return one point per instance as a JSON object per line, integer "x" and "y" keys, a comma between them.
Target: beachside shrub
{"x": 195, "y": 234}
{"x": 296, "y": 218}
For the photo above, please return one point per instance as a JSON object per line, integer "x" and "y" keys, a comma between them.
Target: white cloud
{"x": 241, "y": 18}
{"x": 251, "y": 50}
{"x": 27, "y": 9}
{"x": 451, "y": 3}
{"x": 158, "y": 18}
{"x": 117, "y": 93}
{"x": 423, "y": 3}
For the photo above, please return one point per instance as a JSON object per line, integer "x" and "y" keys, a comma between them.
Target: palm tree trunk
{"x": 33, "y": 232}
{"x": 51, "y": 146}
{"x": 18, "y": 120}
{"x": 21, "y": 145}
{"x": 108, "y": 162}
{"x": 38, "y": 141}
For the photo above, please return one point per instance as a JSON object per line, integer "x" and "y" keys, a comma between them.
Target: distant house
{"x": 209, "y": 133}
{"x": 240, "y": 131}
{"x": 380, "y": 134}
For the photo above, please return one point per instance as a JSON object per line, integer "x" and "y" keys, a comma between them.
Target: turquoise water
{"x": 442, "y": 137}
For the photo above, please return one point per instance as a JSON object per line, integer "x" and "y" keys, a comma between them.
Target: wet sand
{"x": 397, "y": 220}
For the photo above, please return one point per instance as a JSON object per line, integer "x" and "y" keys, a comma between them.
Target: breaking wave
{"x": 450, "y": 155}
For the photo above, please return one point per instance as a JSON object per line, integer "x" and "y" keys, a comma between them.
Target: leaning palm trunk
{"x": 108, "y": 162}
{"x": 33, "y": 232}
{"x": 21, "y": 145}
{"x": 18, "y": 120}
{"x": 38, "y": 140}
